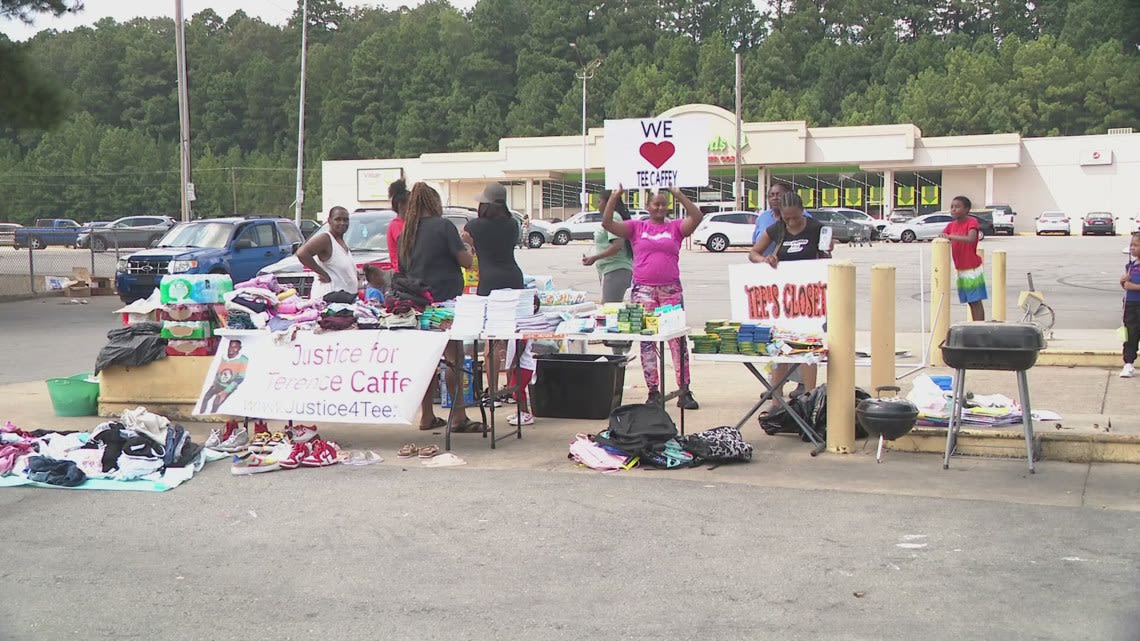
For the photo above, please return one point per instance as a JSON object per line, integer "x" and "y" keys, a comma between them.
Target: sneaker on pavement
{"x": 525, "y": 418}
{"x": 237, "y": 441}
{"x": 260, "y": 442}
{"x": 296, "y": 455}
{"x": 215, "y": 439}
{"x": 278, "y": 438}
{"x": 321, "y": 454}
{"x": 1129, "y": 371}
{"x": 260, "y": 427}
{"x": 303, "y": 433}
{"x": 254, "y": 464}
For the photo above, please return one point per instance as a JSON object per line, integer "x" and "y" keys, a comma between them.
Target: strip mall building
{"x": 875, "y": 168}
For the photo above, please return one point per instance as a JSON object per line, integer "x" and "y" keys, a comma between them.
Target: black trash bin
{"x": 585, "y": 386}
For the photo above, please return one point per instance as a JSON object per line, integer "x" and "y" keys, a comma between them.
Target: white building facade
{"x": 874, "y": 168}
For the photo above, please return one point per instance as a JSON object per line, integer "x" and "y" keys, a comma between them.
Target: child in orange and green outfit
{"x": 962, "y": 232}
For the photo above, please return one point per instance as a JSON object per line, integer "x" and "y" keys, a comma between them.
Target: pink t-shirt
{"x": 656, "y": 251}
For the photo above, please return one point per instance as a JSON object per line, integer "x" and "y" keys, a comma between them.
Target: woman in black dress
{"x": 494, "y": 234}
{"x": 431, "y": 251}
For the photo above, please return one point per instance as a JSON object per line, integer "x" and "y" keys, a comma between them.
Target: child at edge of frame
{"x": 963, "y": 233}
{"x": 1130, "y": 283}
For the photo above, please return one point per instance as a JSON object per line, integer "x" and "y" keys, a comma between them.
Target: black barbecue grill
{"x": 1008, "y": 347}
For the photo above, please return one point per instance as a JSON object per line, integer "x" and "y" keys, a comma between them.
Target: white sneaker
{"x": 237, "y": 441}
{"x": 525, "y": 418}
{"x": 215, "y": 439}
{"x": 1129, "y": 371}
{"x": 253, "y": 464}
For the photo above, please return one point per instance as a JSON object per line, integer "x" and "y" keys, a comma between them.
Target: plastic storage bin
{"x": 585, "y": 386}
{"x": 74, "y": 395}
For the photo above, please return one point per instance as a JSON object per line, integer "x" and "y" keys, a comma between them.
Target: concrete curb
{"x": 1080, "y": 447}
{"x": 1078, "y": 358}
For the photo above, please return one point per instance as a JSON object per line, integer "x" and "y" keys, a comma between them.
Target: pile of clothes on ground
{"x": 140, "y": 447}
{"x": 645, "y": 435}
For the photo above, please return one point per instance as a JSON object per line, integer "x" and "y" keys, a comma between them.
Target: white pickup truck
{"x": 1003, "y": 219}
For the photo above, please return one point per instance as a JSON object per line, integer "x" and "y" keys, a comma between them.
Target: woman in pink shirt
{"x": 657, "y": 277}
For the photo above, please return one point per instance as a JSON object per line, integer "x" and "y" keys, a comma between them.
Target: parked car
{"x": 129, "y": 231}
{"x": 239, "y": 247}
{"x": 926, "y": 227}
{"x": 8, "y": 234}
{"x": 94, "y": 224}
{"x": 1098, "y": 222}
{"x": 843, "y": 229}
{"x": 367, "y": 239}
{"x": 1003, "y": 219}
{"x": 1053, "y": 222}
{"x": 902, "y": 214}
{"x": 580, "y": 226}
{"x": 719, "y": 231}
{"x": 877, "y": 225}
{"x": 47, "y": 231}
{"x": 309, "y": 227}
{"x": 985, "y": 219}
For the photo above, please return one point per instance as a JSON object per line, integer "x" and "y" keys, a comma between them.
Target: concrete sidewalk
{"x": 1089, "y": 399}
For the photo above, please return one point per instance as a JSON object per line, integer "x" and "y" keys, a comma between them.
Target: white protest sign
{"x": 655, "y": 153}
{"x": 342, "y": 377}
{"x": 791, "y": 296}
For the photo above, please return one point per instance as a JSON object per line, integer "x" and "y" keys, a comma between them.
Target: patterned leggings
{"x": 651, "y": 297}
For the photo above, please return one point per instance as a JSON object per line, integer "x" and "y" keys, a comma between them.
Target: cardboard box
{"x": 203, "y": 347}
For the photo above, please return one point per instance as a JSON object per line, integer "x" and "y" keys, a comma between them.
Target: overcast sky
{"x": 272, "y": 11}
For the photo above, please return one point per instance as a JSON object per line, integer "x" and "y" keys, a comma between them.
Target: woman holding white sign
{"x": 796, "y": 237}
{"x": 657, "y": 277}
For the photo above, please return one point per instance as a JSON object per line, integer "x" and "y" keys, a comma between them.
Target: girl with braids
{"x": 431, "y": 251}
{"x": 398, "y": 196}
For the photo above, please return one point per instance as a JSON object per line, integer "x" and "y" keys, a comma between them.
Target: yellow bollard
{"x": 841, "y": 357}
{"x": 998, "y": 310}
{"x": 940, "y": 277}
{"x": 882, "y": 326}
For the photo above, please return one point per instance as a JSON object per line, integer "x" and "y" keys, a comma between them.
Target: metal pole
{"x": 233, "y": 186}
{"x": 738, "y": 182}
{"x": 183, "y": 108}
{"x": 300, "y": 195}
{"x": 582, "y": 197}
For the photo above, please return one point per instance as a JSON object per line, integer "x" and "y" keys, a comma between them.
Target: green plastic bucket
{"x": 74, "y": 395}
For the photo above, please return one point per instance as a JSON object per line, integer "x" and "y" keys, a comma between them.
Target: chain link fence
{"x": 78, "y": 272}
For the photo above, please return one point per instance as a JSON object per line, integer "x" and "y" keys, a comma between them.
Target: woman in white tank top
{"x": 329, "y": 258}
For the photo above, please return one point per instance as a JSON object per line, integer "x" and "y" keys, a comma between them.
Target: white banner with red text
{"x": 791, "y": 296}
{"x": 355, "y": 376}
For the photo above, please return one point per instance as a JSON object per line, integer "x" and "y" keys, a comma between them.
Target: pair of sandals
{"x": 468, "y": 426}
{"x": 410, "y": 450}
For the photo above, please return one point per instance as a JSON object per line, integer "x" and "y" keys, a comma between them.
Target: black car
{"x": 985, "y": 219}
{"x": 1098, "y": 222}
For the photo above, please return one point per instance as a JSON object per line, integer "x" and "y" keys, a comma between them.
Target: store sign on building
{"x": 723, "y": 152}
{"x": 656, "y": 153}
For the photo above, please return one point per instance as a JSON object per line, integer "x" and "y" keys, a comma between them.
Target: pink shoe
{"x": 296, "y": 456}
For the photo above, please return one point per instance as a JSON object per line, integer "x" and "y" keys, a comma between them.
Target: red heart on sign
{"x": 657, "y": 153}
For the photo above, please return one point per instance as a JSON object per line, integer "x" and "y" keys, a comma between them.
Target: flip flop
{"x": 469, "y": 426}
{"x": 443, "y": 460}
{"x": 428, "y": 451}
{"x": 436, "y": 424}
{"x": 408, "y": 450}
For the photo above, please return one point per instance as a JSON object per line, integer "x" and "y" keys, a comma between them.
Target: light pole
{"x": 587, "y": 72}
{"x": 300, "y": 187}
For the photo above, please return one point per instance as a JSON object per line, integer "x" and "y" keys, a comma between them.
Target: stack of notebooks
{"x": 505, "y": 307}
{"x": 470, "y": 315}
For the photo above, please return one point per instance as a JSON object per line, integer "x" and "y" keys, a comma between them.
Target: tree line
{"x": 98, "y": 136}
